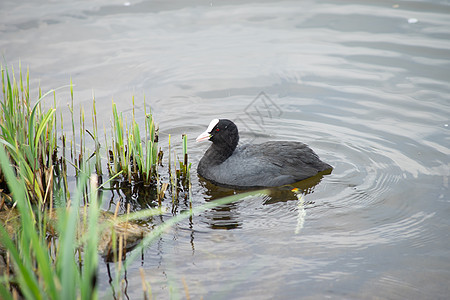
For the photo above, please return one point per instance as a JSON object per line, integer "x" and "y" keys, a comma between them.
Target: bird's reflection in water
{"x": 228, "y": 216}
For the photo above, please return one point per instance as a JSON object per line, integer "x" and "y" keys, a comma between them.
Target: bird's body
{"x": 269, "y": 164}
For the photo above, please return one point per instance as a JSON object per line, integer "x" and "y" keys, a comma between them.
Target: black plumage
{"x": 269, "y": 164}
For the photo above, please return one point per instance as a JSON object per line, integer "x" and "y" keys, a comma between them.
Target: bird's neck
{"x": 218, "y": 154}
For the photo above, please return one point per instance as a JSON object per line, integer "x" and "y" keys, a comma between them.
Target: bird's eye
{"x": 217, "y": 129}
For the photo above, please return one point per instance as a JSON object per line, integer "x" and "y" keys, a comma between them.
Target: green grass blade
{"x": 148, "y": 162}
{"x": 90, "y": 248}
{"x": 4, "y": 293}
{"x": 42, "y": 126}
{"x": 4, "y": 142}
{"x": 25, "y": 277}
{"x": 25, "y": 274}
{"x": 32, "y": 120}
{"x": 68, "y": 224}
{"x": 45, "y": 265}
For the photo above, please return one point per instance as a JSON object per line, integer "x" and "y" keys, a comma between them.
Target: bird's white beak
{"x": 206, "y": 135}
{"x": 203, "y": 137}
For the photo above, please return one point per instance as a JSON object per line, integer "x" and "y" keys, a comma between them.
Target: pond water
{"x": 365, "y": 84}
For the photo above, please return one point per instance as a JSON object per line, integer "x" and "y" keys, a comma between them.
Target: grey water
{"x": 364, "y": 83}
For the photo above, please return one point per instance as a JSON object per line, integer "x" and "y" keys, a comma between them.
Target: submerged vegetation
{"x": 51, "y": 233}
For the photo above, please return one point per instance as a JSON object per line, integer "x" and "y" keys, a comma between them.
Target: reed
{"x": 94, "y": 135}
{"x": 185, "y": 165}
{"x": 179, "y": 173}
{"x": 29, "y": 135}
{"x": 134, "y": 155}
{"x": 31, "y": 138}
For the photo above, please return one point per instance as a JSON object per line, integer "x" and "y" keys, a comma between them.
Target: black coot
{"x": 268, "y": 164}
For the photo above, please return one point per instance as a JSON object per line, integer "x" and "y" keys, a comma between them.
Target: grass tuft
{"x": 28, "y": 134}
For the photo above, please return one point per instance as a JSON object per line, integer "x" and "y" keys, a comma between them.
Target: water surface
{"x": 365, "y": 85}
